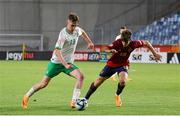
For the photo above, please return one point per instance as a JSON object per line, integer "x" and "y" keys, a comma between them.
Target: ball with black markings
{"x": 81, "y": 104}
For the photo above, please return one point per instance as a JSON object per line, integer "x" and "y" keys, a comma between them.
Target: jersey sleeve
{"x": 80, "y": 31}
{"x": 115, "y": 45}
{"x": 118, "y": 37}
{"x": 60, "y": 41}
{"x": 138, "y": 43}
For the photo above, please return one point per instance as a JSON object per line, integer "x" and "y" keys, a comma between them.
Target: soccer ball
{"x": 81, "y": 104}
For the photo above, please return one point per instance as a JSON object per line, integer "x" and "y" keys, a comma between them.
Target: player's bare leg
{"x": 113, "y": 77}
{"x": 78, "y": 85}
{"x": 43, "y": 83}
{"x": 94, "y": 86}
{"x": 122, "y": 81}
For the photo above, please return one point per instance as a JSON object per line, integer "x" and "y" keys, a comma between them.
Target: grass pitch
{"x": 154, "y": 90}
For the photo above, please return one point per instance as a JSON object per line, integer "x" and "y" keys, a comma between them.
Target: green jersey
{"x": 67, "y": 44}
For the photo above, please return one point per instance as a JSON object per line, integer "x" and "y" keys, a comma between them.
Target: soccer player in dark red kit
{"x": 119, "y": 63}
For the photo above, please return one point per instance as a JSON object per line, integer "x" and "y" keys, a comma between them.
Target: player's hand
{"x": 157, "y": 57}
{"x": 68, "y": 66}
{"x": 91, "y": 46}
{"x": 113, "y": 51}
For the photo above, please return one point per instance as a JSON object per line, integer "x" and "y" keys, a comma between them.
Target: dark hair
{"x": 73, "y": 17}
{"x": 123, "y": 27}
{"x": 126, "y": 35}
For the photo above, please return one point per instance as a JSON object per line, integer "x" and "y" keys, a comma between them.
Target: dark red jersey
{"x": 121, "y": 57}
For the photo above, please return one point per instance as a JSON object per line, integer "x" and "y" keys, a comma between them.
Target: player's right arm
{"x": 113, "y": 48}
{"x": 58, "y": 50}
{"x": 109, "y": 50}
{"x": 61, "y": 59}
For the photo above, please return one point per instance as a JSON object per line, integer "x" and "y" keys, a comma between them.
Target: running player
{"x": 63, "y": 58}
{"x": 119, "y": 63}
{"x": 113, "y": 77}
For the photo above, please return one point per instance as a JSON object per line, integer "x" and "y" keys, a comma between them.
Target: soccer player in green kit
{"x": 63, "y": 58}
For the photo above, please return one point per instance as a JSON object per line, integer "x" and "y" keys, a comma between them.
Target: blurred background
{"x": 37, "y": 23}
{"x": 29, "y": 30}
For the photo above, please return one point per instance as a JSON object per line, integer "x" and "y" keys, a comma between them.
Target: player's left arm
{"x": 87, "y": 39}
{"x": 151, "y": 48}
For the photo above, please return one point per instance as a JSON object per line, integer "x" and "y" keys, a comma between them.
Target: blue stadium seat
{"x": 164, "y": 31}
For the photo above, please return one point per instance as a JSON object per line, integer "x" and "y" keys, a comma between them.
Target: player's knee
{"x": 80, "y": 77}
{"x": 122, "y": 82}
{"x": 99, "y": 81}
{"x": 123, "y": 78}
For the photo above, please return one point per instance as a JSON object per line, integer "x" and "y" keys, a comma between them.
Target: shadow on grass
{"x": 93, "y": 109}
{"x": 33, "y": 110}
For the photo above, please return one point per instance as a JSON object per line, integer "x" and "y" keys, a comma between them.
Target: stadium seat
{"x": 163, "y": 32}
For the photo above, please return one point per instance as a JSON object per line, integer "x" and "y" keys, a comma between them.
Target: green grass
{"x": 155, "y": 89}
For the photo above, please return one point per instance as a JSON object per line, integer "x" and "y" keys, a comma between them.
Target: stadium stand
{"x": 165, "y": 31}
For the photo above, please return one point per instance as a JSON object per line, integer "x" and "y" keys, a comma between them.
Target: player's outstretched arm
{"x": 61, "y": 59}
{"x": 150, "y": 47}
{"x": 88, "y": 40}
{"x": 109, "y": 49}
